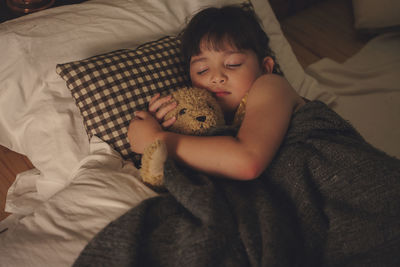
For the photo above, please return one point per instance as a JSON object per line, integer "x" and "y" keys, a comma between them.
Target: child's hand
{"x": 159, "y": 110}
{"x": 143, "y": 130}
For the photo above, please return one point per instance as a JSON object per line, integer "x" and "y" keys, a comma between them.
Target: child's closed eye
{"x": 233, "y": 65}
{"x": 202, "y": 72}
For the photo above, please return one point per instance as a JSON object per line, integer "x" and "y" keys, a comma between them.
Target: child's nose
{"x": 219, "y": 78}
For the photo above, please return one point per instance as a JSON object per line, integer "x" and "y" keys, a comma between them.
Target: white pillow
{"x": 38, "y": 116}
{"x": 102, "y": 188}
{"x": 373, "y": 14}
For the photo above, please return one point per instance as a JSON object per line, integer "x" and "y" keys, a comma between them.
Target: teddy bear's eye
{"x": 210, "y": 106}
{"x": 182, "y": 111}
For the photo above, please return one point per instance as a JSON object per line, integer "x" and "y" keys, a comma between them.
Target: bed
{"x": 61, "y": 204}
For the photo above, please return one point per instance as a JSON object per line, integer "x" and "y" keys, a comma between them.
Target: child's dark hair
{"x": 229, "y": 23}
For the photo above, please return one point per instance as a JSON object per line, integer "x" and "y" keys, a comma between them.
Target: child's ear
{"x": 268, "y": 64}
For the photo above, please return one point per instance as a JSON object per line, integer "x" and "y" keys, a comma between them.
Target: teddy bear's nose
{"x": 201, "y": 118}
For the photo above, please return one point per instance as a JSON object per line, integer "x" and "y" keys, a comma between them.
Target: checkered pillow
{"x": 108, "y": 88}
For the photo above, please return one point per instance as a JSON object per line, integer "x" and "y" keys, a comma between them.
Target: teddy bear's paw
{"x": 153, "y": 160}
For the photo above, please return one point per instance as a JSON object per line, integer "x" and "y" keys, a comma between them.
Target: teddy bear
{"x": 197, "y": 113}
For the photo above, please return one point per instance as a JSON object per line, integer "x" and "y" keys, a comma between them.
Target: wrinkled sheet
{"x": 103, "y": 187}
{"x": 367, "y": 86}
{"x": 327, "y": 199}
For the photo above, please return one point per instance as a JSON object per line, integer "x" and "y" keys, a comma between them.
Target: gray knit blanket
{"x": 328, "y": 199}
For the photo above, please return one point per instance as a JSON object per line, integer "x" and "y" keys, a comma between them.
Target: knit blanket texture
{"x": 328, "y": 199}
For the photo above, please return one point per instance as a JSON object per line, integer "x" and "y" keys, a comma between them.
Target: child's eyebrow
{"x": 227, "y": 52}
{"x": 200, "y": 59}
{"x": 230, "y": 52}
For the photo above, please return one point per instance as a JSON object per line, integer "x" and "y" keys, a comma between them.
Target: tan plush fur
{"x": 196, "y": 113}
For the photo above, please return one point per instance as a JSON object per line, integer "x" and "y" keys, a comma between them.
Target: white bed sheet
{"x": 38, "y": 117}
{"x": 102, "y": 188}
{"x": 368, "y": 90}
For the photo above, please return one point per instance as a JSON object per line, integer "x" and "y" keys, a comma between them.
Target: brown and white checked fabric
{"x": 108, "y": 88}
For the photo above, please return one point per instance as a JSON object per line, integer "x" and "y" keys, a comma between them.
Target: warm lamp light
{"x": 28, "y": 6}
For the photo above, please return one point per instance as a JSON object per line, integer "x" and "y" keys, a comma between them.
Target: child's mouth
{"x": 221, "y": 94}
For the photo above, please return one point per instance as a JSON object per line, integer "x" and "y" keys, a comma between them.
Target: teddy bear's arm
{"x": 153, "y": 159}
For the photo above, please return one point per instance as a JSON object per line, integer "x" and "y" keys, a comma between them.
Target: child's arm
{"x": 270, "y": 104}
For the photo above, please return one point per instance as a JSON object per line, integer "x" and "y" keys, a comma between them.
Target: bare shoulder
{"x": 272, "y": 90}
{"x": 270, "y": 105}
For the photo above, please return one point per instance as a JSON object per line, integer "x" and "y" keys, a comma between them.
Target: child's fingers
{"x": 169, "y": 122}
{"x": 154, "y": 98}
{"x": 160, "y": 114}
{"x": 157, "y": 103}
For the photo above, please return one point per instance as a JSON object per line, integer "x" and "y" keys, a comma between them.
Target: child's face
{"x": 228, "y": 73}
